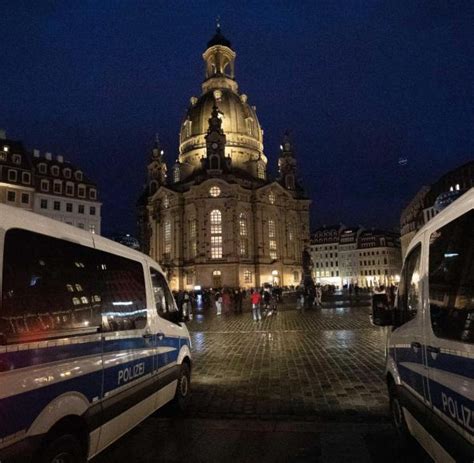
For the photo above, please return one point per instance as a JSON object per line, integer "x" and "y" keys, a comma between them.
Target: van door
{"x": 450, "y": 347}
{"x": 128, "y": 345}
{"x": 168, "y": 342}
{"x": 408, "y": 340}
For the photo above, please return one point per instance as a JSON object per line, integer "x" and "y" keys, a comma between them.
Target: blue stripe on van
{"x": 32, "y": 357}
{"x": 451, "y": 363}
{"x": 19, "y": 411}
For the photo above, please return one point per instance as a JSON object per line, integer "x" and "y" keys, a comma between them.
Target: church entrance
{"x": 216, "y": 279}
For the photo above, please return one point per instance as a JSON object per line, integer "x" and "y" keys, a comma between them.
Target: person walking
{"x": 237, "y": 301}
{"x": 218, "y": 303}
{"x": 255, "y": 299}
{"x": 226, "y": 301}
{"x": 319, "y": 296}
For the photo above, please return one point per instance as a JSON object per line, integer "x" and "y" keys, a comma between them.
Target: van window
{"x": 48, "y": 286}
{"x": 409, "y": 290}
{"x": 451, "y": 279}
{"x": 163, "y": 298}
{"x": 51, "y": 286}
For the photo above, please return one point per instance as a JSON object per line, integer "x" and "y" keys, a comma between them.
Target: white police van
{"x": 90, "y": 340}
{"x": 430, "y": 352}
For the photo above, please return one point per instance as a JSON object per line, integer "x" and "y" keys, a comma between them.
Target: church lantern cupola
{"x": 215, "y": 160}
{"x": 156, "y": 168}
{"x": 287, "y": 163}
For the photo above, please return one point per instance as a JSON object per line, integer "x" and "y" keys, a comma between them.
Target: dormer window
{"x": 78, "y": 175}
{"x": 55, "y": 170}
{"x": 70, "y": 189}
{"x": 42, "y": 168}
{"x": 93, "y": 193}
{"x": 12, "y": 175}
{"x": 44, "y": 185}
{"x": 16, "y": 158}
{"x": 57, "y": 186}
{"x": 81, "y": 191}
{"x": 26, "y": 177}
{"x": 67, "y": 173}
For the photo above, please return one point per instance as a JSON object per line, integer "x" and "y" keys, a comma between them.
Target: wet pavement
{"x": 293, "y": 387}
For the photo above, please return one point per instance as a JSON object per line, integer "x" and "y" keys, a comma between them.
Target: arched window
{"x": 272, "y": 239}
{"x": 167, "y": 238}
{"x": 216, "y": 278}
{"x": 176, "y": 174}
{"x": 216, "y": 234}
{"x": 261, "y": 170}
{"x": 290, "y": 182}
{"x": 243, "y": 232}
{"x": 214, "y": 162}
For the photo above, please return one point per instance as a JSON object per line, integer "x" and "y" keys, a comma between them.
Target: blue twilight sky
{"x": 361, "y": 83}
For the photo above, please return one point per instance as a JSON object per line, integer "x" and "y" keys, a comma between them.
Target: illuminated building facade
{"x": 47, "y": 185}
{"x": 345, "y": 256}
{"x": 215, "y": 218}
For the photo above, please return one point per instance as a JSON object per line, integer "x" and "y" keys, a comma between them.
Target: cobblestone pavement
{"x": 325, "y": 363}
{"x": 296, "y": 387}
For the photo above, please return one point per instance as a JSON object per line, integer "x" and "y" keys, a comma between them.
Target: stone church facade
{"x": 216, "y": 219}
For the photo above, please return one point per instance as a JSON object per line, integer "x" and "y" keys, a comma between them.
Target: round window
{"x": 215, "y": 191}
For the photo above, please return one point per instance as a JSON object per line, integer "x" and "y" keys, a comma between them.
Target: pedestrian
{"x": 186, "y": 306}
{"x": 255, "y": 299}
{"x": 319, "y": 296}
{"x": 237, "y": 301}
{"x": 218, "y": 303}
{"x": 226, "y": 301}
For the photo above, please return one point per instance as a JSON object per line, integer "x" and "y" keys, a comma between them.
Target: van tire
{"x": 183, "y": 388}
{"x": 398, "y": 417}
{"x": 63, "y": 449}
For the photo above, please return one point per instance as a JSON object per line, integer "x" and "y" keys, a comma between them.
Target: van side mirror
{"x": 382, "y": 313}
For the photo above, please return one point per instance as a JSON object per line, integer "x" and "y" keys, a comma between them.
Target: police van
{"x": 91, "y": 341}
{"x": 430, "y": 351}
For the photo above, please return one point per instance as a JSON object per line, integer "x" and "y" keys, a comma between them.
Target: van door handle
{"x": 415, "y": 345}
{"x": 147, "y": 336}
{"x": 434, "y": 350}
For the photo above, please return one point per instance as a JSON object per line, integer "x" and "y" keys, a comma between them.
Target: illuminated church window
{"x": 216, "y": 234}
{"x": 167, "y": 237}
{"x": 261, "y": 170}
{"x": 247, "y": 276}
{"x": 272, "y": 239}
{"x": 243, "y": 232}
{"x": 215, "y": 191}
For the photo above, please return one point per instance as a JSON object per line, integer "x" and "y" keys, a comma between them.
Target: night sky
{"x": 360, "y": 84}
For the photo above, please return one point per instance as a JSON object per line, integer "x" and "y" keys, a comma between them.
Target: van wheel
{"x": 398, "y": 417}
{"x": 183, "y": 389}
{"x": 64, "y": 449}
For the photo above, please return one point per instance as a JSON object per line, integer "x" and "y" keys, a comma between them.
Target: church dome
{"x": 244, "y": 136}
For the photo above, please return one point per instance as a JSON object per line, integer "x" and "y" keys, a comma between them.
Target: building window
{"x": 68, "y": 207}
{"x": 92, "y": 210}
{"x": 57, "y": 187}
{"x": 271, "y": 197}
{"x": 93, "y": 193}
{"x": 11, "y": 196}
{"x": 216, "y": 278}
{"x": 92, "y": 228}
{"x": 192, "y": 238}
{"x": 247, "y": 276}
{"x": 70, "y": 189}
{"x": 261, "y": 170}
{"x": 176, "y": 174}
{"x": 57, "y": 206}
{"x": 78, "y": 175}
{"x": 12, "y": 175}
{"x": 81, "y": 226}
{"x": 272, "y": 239}
{"x": 166, "y": 202}
{"x": 80, "y": 209}
{"x": 25, "y": 198}
{"x": 81, "y": 191}
{"x": 216, "y": 234}
{"x": 244, "y": 238}
{"x": 44, "y": 204}
{"x": 67, "y": 173}
{"x": 42, "y": 168}
{"x": 16, "y": 158}
{"x": 44, "y": 185}
{"x": 215, "y": 191}
{"x": 55, "y": 170}
{"x": 26, "y": 177}
{"x": 167, "y": 237}
{"x": 189, "y": 278}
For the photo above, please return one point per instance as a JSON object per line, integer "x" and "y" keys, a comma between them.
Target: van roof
{"x": 14, "y": 217}
{"x": 463, "y": 204}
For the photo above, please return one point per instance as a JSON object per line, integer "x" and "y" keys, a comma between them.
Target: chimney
{"x": 3, "y": 134}
{"x": 48, "y": 156}
{"x": 60, "y": 159}
{"x": 36, "y": 153}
